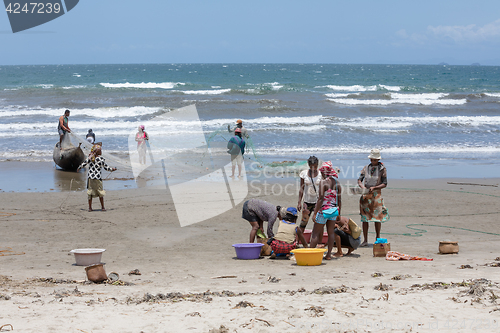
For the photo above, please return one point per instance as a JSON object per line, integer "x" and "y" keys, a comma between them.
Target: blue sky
{"x": 272, "y": 31}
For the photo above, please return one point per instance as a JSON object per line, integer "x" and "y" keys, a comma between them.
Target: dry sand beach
{"x": 191, "y": 281}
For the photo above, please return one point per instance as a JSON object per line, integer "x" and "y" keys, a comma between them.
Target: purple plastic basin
{"x": 248, "y": 250}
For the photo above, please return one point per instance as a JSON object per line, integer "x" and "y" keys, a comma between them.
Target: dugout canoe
{"x": 69, "y": 158}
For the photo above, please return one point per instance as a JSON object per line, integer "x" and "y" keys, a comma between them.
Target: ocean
{"x": 429, "y": 121}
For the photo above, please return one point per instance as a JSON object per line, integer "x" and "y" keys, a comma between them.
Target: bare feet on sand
{"x": 338, "y": 255}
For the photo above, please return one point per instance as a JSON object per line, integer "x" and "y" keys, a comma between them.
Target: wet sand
{"x": 191, "y": 281}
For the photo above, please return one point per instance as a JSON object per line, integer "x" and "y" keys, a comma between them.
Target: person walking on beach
{"x": 327, "y": 207}
{"x": 347, "y": 234}
{"x": 141, "y": 138}
{"x": 373, "y": 177}
{"x": 308, "y": 190}
{"x": 236, "y": 147}
{"x": 288, "y": 232}
{"x": 257, "y": 211}
{"x": 239, "y": 124}
{"x": 90, "y": 136}
{"x": 94, "y": 179}
{"x": 62, "y": 127}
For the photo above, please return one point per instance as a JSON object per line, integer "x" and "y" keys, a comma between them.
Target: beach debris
{"x": 221, "y": 329}
{"x": 377, "y": 274}
{"x": 477, "y": 287}
{"x": 113, "y": 276}
{"x": 8, "y": 252}
{"x": 497, "y": 259}
{"x": 493, "y": 297}
{"x": 265, "y": 321}
{"x": 493, "y": 264}
{"x": 243, "y": 281}
{"x": 432, "y": 286}
{"x": 347, "y": 314}
{"x": 316, "y": 311}
{"x": 401, "y": 277}
{"x": 224, "y": 277}
{"x": 4, "y": 297}
{"x": 330, "y": 290}
{"x": 134, "y": 272}
{"x": 384, "y": 297}
{"x": 292, "y": 274}
{"x": 193, "y": 314}
{"x": 244, "y": 304}
{"x": 11, "y": 327}
{"x": 465, "y": 266}
{"x": 273, "y": 279}
{"x": 382, "y": 287}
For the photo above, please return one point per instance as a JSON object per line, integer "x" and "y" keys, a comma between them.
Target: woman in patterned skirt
{"x": 373, "y": 178}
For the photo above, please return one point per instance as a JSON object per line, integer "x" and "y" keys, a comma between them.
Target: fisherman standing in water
{"x": 62, "y": 127}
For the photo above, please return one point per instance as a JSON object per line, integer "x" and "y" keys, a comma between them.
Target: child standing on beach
{"x": 285, "y": 239}
{"x": 94, "y": 182}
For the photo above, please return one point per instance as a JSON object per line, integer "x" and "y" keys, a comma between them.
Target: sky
{"x": 456, "y": 32}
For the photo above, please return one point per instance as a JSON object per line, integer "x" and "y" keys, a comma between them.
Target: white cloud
{"x": 468, "y": 33}
{"x": 460, "y": 34}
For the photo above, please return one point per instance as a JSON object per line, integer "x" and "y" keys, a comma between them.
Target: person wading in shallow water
{"x": 62, "y": 127}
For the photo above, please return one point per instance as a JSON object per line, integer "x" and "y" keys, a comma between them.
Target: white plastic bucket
{"x": 87, "y": 257}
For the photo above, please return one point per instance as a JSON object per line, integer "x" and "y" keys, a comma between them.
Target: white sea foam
{"x": 204, "y": 92}
{"x": 45, "y": 86}
{"x": 74, "y": 87}
{"x": 340, "y": 95}
{"x": 492, "y": 94}
{"x": 390, "y": 88}
{"x": 112, "y": 112}
{"x": 405, "y": 122}
{"x": 350, "y": 88}
{"x": 143, "y": 85}
{"x": 397, "y": 98}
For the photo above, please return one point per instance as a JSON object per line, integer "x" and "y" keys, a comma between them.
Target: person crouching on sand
{"x": 256, "y": 211}
{"x": 285, "y": 239}
{"x": 94, "y": 182}
{"x": 347, "y": 234}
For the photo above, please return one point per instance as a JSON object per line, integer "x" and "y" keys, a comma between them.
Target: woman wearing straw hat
{"x": 373, "y": 178}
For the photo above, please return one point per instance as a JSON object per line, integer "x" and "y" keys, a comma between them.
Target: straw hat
{"x": 374, "y": 154}
{"x": 239, "y": 121}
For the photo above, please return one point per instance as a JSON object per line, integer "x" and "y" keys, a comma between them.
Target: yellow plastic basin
{"x": 309, "y": 257}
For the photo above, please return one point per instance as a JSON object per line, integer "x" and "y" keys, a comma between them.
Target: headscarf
{"x": 94, "y": 152}
{"x": 328, "y": 169}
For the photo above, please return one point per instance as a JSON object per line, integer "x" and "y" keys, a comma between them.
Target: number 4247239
{"x": 33, "y": 8}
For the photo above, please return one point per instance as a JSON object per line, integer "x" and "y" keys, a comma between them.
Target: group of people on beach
{"x": 320, "y": 195}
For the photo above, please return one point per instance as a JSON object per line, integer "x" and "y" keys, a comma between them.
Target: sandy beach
{"x": 191, "y": 280}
